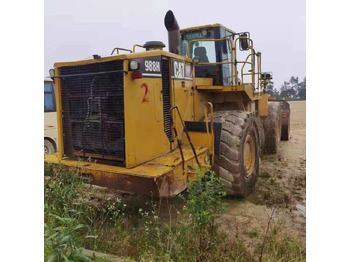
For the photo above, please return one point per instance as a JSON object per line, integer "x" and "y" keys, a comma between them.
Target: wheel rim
{"x": 46, "y": 150}
{"x": 249, "y": 154}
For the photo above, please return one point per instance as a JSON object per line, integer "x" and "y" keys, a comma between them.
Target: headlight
{"x": 52, "y": 72}
{"x": 134, "y": 65}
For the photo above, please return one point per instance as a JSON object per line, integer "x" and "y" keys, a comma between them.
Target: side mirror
{"x": 244, "y": 42}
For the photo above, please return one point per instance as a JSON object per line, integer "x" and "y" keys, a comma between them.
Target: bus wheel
{"x": 48, "y": 147}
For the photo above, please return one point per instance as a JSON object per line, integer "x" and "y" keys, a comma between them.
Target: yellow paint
{"x": 143, "y": 110}
{"x": 263, "y": 105}
{"x": 207, "y": 26}
{"x": 199, "y": 81}
{"x": 155, "y": 168}
{"x": 148, "y": 152}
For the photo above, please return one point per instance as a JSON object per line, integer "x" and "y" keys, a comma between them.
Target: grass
{"x": 147, "y": 229}
{"x": 269, "y": 192}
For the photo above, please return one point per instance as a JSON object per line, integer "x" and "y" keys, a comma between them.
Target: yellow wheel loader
{"x": 143, "y": 122}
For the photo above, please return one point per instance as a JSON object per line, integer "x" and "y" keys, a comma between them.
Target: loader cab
{"x": 208, "y": 45}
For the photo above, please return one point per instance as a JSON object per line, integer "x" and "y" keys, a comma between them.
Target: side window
{"x": 227, "y": 68}
{"x": 49, "y": 97}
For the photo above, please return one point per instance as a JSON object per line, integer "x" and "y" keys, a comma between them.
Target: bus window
{"x": 49, "y": 97}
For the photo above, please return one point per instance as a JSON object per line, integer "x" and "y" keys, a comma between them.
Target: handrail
{"x": 212, "y": 128}
{"x": 185, "y": 130}
{"x": 119, "y": 48}
{"x": 136, "y": 45}
{"x": 214, "y": 63}
{"x": 259, "y": 72}
{"x": 244, "y": 63}
{"x": 252, "y": 54}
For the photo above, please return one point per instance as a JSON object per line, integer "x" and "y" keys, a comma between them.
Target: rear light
{"x": 136, "y": 75}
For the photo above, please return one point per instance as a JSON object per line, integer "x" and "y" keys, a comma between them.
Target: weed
{"x": 283, "y": 247}
{"x": 269, "y": 192}
{"x": 137, "y": 229}
{"x": 63, "y": 238}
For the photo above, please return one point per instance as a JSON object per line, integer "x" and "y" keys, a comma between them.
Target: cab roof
{"x": 207, "y": 26}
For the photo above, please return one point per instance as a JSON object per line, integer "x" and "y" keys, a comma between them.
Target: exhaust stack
{"x": 173, "y": 32}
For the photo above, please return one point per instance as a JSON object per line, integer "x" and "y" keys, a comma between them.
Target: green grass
{"x": 139, "y": 230}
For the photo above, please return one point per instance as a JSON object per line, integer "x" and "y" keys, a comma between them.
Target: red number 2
{"x": 145, "y": 98}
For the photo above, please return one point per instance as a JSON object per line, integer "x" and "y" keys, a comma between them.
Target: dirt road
{"x": 280, "y": 191}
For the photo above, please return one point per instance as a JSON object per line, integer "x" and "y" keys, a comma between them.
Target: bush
{"x": 204, "y": 205}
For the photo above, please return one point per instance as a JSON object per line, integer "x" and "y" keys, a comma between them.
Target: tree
{"x": 288, "y": 90}
{"x": 271, "y": 90}
{"x": 302, "y": 89}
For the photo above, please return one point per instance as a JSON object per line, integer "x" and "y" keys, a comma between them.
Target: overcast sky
{"x": 77, "y": 29}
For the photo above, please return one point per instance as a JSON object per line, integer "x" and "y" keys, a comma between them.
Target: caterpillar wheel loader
{"x": 140, "y": 122}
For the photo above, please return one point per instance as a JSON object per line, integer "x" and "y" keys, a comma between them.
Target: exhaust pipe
{"x": 173, "y": 32}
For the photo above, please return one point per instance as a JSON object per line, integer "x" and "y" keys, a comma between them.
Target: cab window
{"x": 49, "y": 97}
{"x": 204, "y": 50}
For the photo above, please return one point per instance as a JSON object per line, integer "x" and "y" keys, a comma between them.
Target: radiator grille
{"x": 93, "y": 109}
{"x": 166, "y": 99}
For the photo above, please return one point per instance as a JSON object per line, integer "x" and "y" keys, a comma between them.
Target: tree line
{"x": 290, "y": 90}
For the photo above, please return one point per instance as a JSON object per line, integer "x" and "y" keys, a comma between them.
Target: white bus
{"x": 50, "y": 118}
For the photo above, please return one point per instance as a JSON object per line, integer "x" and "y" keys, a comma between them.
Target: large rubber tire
{"x": 49, "y": 148}
{"x": 272, "y": 127}
{"x": 236, "y": 127}
{"x": 285, "y": 129}
{"x": 285, "y": 109}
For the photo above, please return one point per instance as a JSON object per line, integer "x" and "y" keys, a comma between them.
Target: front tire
{"x": 239, "y": 160}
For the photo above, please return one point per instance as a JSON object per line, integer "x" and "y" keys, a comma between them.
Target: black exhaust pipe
{"x": 173, "y": 32}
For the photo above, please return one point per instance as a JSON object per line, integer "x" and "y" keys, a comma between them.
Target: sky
{"x": 76, "y": 30}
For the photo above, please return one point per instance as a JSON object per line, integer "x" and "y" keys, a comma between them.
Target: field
{"x": 267, "y": 226}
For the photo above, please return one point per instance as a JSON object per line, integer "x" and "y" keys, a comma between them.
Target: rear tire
{"x": 239, "y": 160}
{"x": 49, "y": 148}
{"x": 272, "y": 127}
{"x": 285, "y": 108}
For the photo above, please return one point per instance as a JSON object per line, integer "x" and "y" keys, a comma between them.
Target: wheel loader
{"x": 145, "y": 120}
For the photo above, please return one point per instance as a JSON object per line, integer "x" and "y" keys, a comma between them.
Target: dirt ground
{"x": 280, "y": 190}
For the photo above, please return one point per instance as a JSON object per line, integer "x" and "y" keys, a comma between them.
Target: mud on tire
{"x": 272, "y": 128}
{"x": 239, "y": 176}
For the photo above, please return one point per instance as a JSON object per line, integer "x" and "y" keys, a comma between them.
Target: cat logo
{"x": 179, "y": 69}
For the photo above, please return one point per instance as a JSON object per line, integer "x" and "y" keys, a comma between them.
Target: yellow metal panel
{"x": 59, "y": 115}
{"x": 263, "y": 105}
{"x": 154, "y": 168}
{"x": 198, "y": 139}
{"x": 145, "y": 170}
{"x": 206, "y": 26}
{"x": 182, "y": 96}
{"x": 199, "y": 81}
{"x": 174, "y": 158}
{"x": 143, "y": 108}
{"x": 200, "y": 98}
